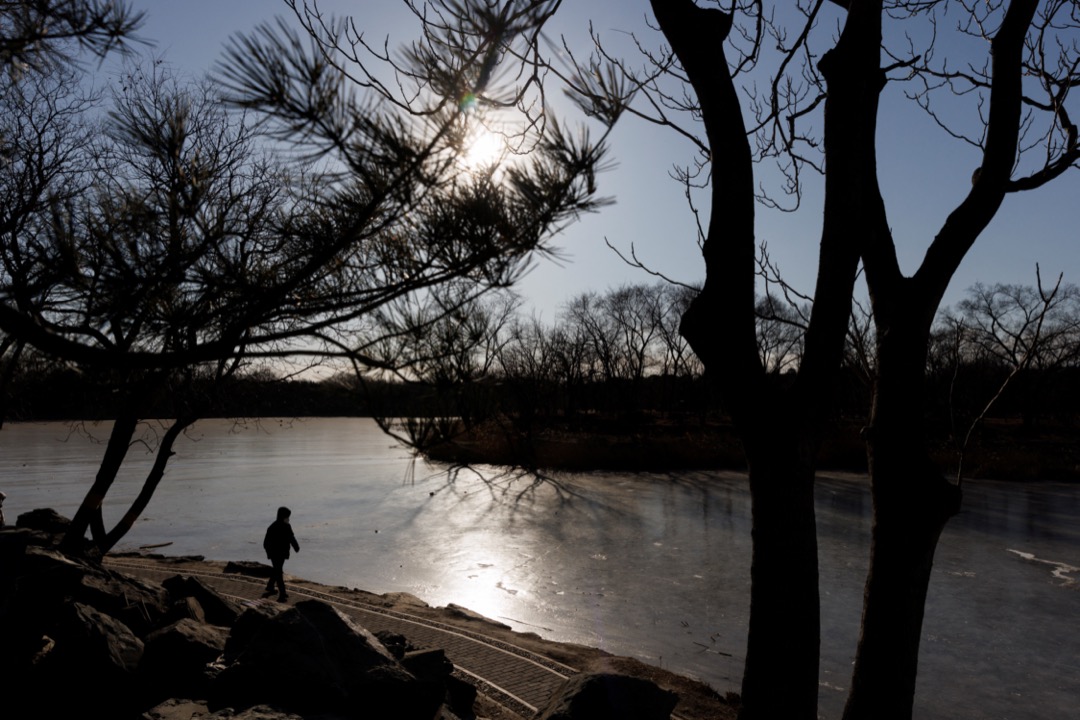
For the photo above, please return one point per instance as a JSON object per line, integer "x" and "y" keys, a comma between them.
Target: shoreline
{"x": 1003, "y": 448}
{"x": 698, "y": 701}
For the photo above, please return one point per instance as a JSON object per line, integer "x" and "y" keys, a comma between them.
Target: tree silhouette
{"x": 186, "y": 248}
{"x": 40, "y": 35}
{"x": 791, "y": 92}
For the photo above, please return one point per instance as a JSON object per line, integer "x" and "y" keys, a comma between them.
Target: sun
{"x": 483, "y": 149}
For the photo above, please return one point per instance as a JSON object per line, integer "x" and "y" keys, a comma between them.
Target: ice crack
{"x": 1062, "y": 571}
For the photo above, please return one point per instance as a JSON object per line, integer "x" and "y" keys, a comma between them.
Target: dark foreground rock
{"x": 312, "y": 659}
{"x": 608, "y": 696}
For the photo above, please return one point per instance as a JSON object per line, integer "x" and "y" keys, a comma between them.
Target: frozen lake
{"x": 655, "y": 566}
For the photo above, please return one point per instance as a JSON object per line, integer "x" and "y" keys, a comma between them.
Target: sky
{"x": 923, "y": 174}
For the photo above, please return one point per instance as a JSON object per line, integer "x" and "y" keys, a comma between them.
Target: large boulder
{"x": 97, "y": 644}
{"x": 67, "y": 623}
{"x": 607, "y": 696}
{"x": 44, "y": 520}
{"x": 430, "y": 665}
{"x": 311, "y": 658}
{"x": 138, "y": 604}
{"x": 48, "y": 579}
{"x": 175, "y": 659}
{"x": 86, "y": 665}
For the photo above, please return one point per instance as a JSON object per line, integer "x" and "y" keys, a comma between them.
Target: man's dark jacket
{"x": 279, "y": 536}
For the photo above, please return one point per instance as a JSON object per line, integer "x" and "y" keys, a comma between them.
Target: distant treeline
{"x": 1003, "y": 378}
{"x": 60, "y": 394}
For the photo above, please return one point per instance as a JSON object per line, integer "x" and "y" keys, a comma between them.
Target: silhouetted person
{"x": 279, "y": 536}
{"x": 2, "y": 498}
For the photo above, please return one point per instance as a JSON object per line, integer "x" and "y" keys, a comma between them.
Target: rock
{"x": 303, "y": 658}
{"x": 82, "y": 640}
{"x": 188, "y": 608}
{"x": 212, "y": 606}
{"x": 68, "y": 623}
{"x": 396, "y": 644}
{"x": 48, "y": 579}
{"x": 248, "y": 568}
{"x": 310, "y": 658}
{"x": 175, "y": 658}
{"x": 428, "y": 664}
{"x": 431, "y": 666}
{"x": 48, "y": 574}
{"x": 177, "y": 709}
{"x": 139, "y": 605}
{"x": 467, "y": 614}
{"x": 246, "y": 627}
{"x": 85, "y": 666}
{"x": 96, "y": 642}
{"x": 45, "y": 520}
{"x": 605, "y": 696}
{"x": 387, "y": 691}
{"x": 168, "y": 647}
{"x": 264, "y": 712}
{"x": 13, "y": 542}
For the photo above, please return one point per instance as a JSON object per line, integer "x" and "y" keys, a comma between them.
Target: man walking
{"x": 279, "y": 536}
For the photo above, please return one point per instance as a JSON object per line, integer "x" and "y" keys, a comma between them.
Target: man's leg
{"x": 277, "y": 577}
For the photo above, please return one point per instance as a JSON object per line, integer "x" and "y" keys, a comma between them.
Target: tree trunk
{"x": 780, "y": 678}
{"x": 912, "y": 503}
{"x": 778, "y": 430}
{"x": 8, "y": 372}
{"x": 153, "y": 478}
{"x": 90, "y": 510}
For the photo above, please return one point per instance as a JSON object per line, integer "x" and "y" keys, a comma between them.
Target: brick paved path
{"x": 520, "y": 680}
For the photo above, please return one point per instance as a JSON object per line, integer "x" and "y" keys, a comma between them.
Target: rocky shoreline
{"x": 180, "y": 650}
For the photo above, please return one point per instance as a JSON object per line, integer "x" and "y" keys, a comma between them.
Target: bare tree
{"x": 1018, "y": 324}
{"x": 819, "y": 112}
{"x": 138, "y": 241}
{"x": 586, "y": 319}
{"x": 572, "y": 363}
{"x": 780, "y": 333}
{"x": 677, "y": 359}
{"x": 392, "y": 209}
{"x": 188, "y": 248}
{"x": 448, "y": 353}
{"x": 1005, "y": 338}
{"x": 528, "y": 352}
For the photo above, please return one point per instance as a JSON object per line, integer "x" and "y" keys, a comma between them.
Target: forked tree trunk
{"x": 780, "y": 678}
{"x": 107, "y": 541}
{"x": 912, "y": 503}
{"x": 89, "y": 511}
